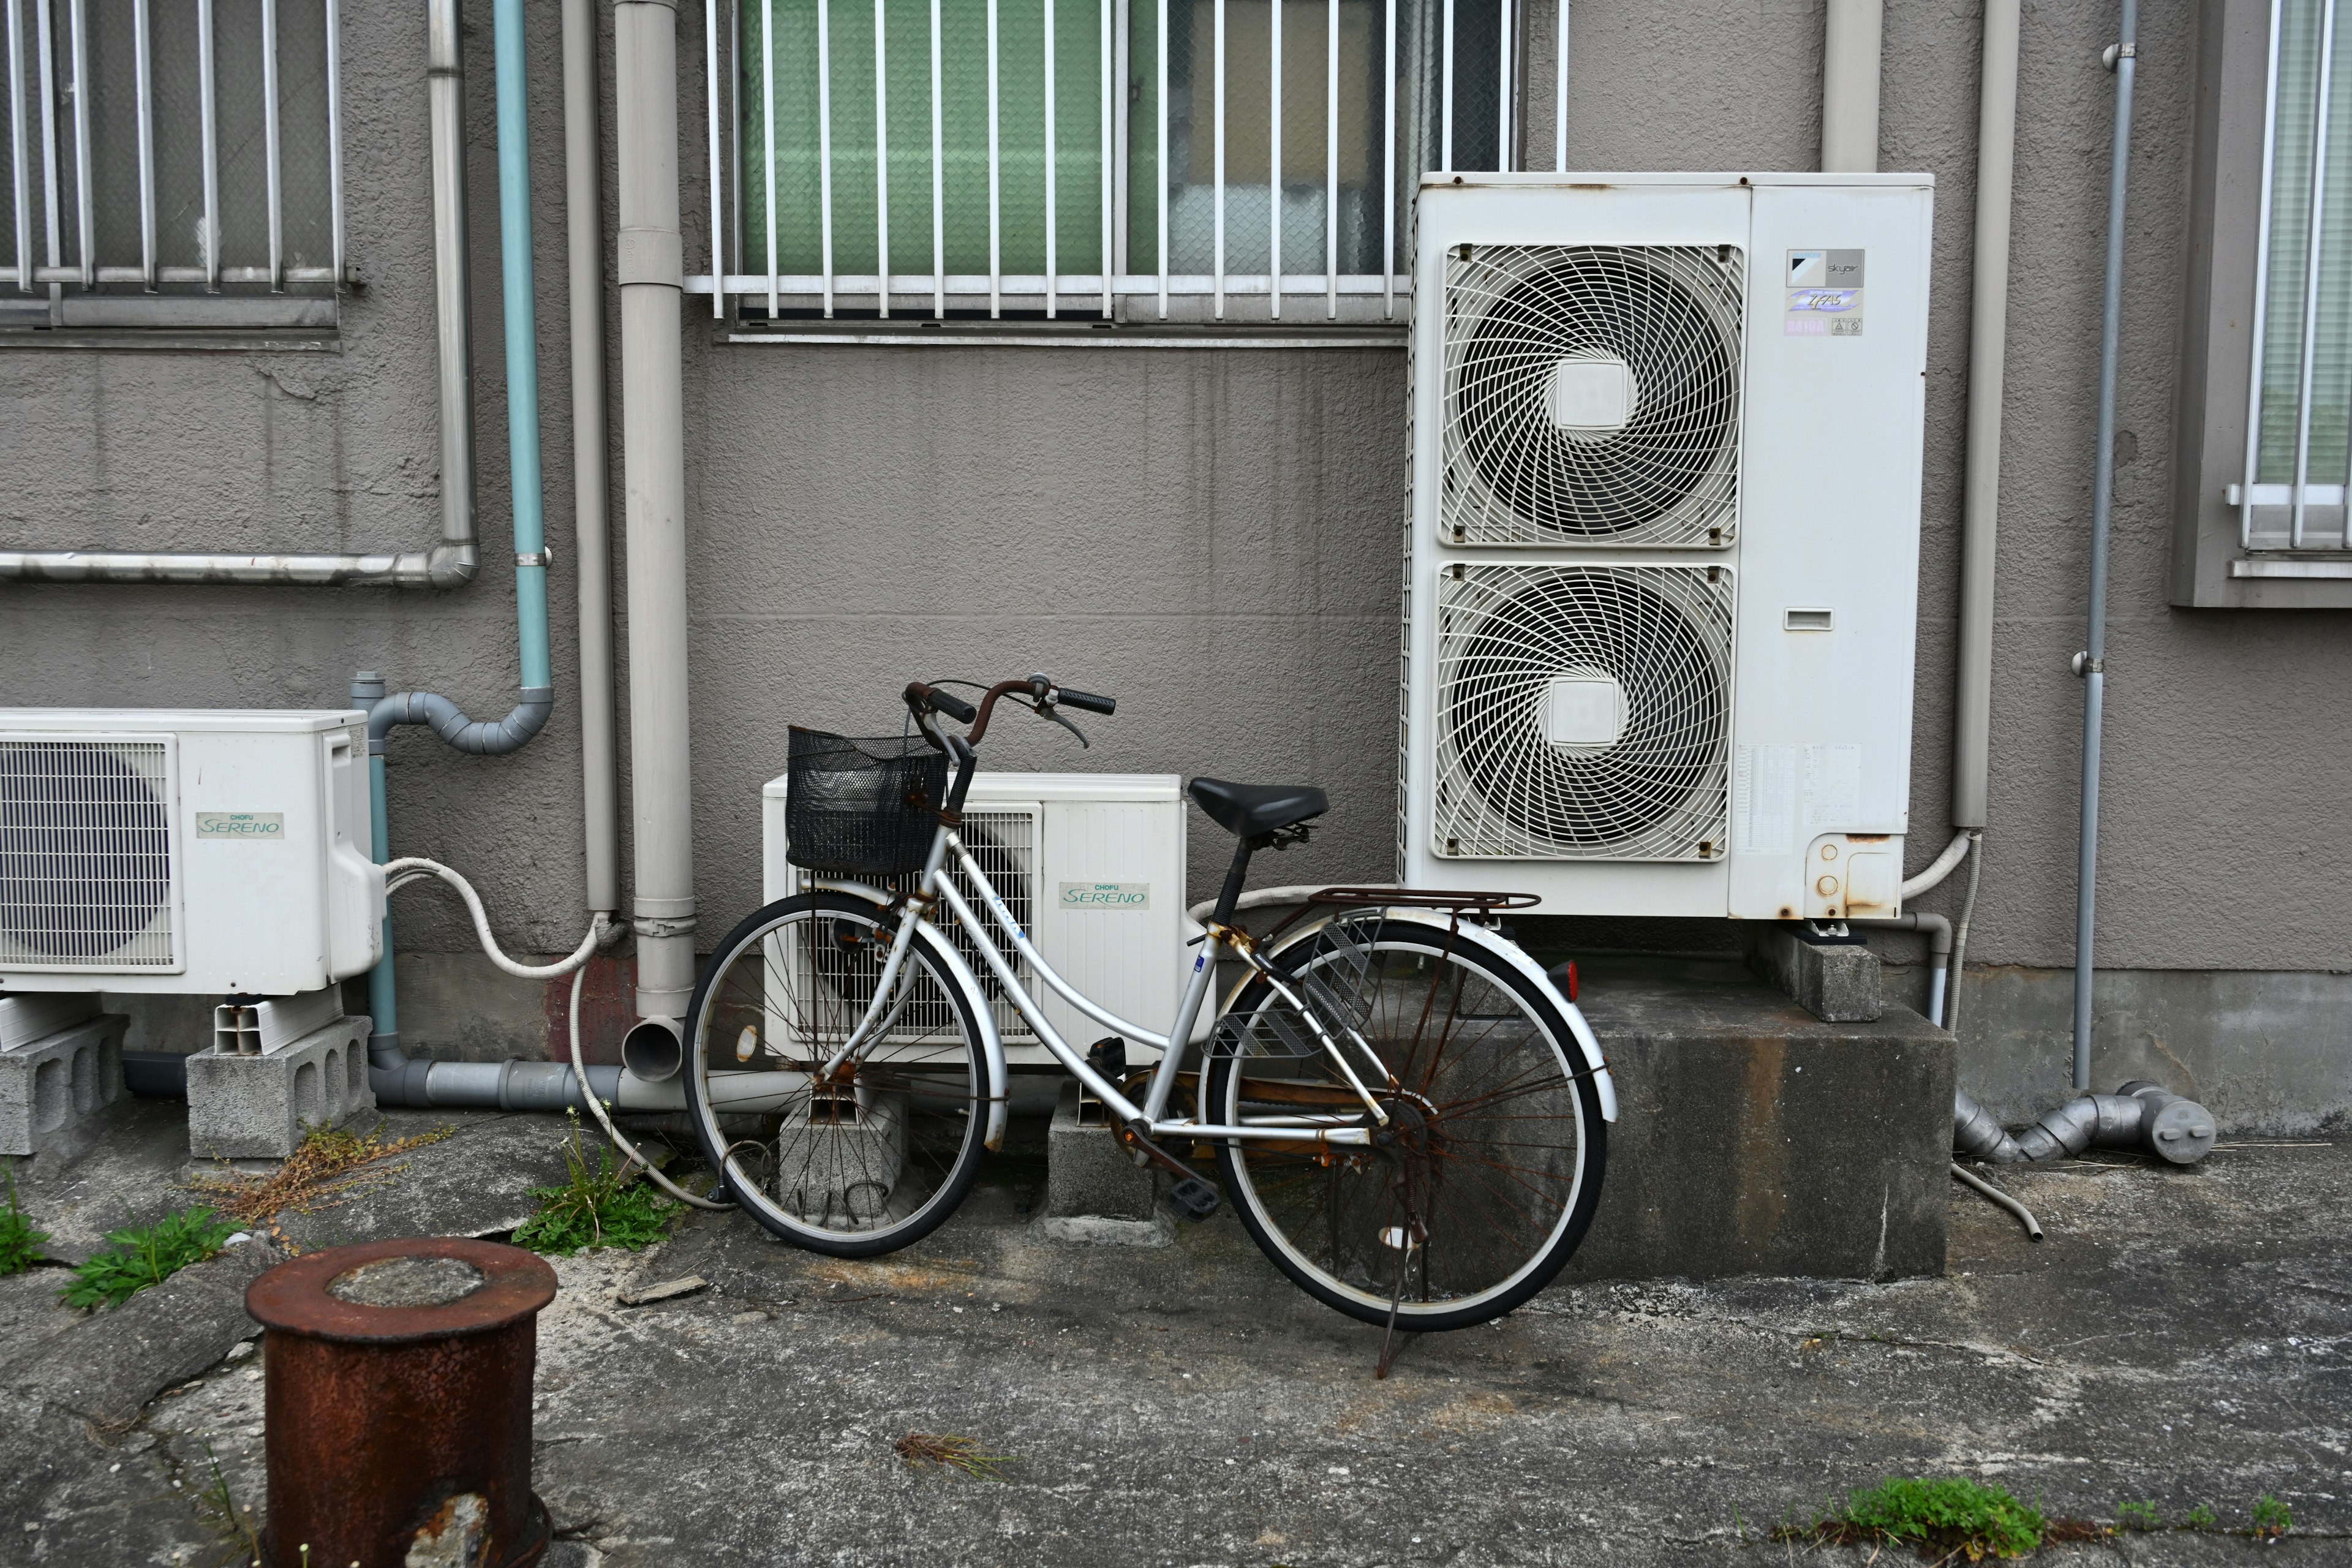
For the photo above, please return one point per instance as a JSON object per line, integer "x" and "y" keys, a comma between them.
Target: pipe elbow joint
{"x": 451, "y": 565}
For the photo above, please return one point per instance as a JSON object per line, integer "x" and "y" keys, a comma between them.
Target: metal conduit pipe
{"x": 1940, "y": 952}
{"x": 2140, "y": 1115}
{"x": 451, "y": 563}
{"x": 653, "y": 282}
{"x": 2091, "y": 663}
{"x": 1850, "y": 70}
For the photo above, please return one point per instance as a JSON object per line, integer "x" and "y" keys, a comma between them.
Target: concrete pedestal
{"x": 1094, "y": 1193}
{"x": 51, "y": 1088}
{"x": 1754, "y": 1137}
{"x": 1835, "y": 982}
{"x": 259, "y": 1107}
{"x": 831, "y": 1170}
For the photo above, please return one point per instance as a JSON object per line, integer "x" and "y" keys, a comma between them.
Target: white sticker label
{"x": 252, "y": 826}
{"x": 1764, "y": 786}
{"x": 1832, "y": 787}
{"x": 1106, "y": 896}
{"x": 1823, "y": 294}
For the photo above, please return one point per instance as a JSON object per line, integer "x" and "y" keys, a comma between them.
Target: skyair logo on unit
{"x": 1106, "y": 895}
{"x": 1824, "y": 294}
{"x": 250, "y": 827}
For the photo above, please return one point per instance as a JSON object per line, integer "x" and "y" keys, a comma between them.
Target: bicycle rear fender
{"x": 1510, "y": 953}
{"x": 992, "y": 1043}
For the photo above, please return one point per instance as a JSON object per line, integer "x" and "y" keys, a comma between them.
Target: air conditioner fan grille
{"x": 85, "y": 855}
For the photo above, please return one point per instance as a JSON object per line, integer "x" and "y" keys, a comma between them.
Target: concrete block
{"x": 1753, "y": 1137}
{"x": 258, "y": 1107}
{"x": 1095, "y": 1194}
{"x": 1835, "y": 982}
{"x": 836, "y": 1166}
{"x": 52, "y": 1088}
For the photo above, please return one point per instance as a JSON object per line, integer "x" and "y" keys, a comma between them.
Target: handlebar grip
{"x": 955, "y": 708}
{"x": 1086, "y": 700}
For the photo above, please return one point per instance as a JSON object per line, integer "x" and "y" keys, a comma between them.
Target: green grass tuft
{"x": 599, "y": 1204}
{"x": 20, "y": 1243}
{"x": 2138, "y": 1515}
{"x": 1953, "y": 1516}
{"x": 2272, "y": 1517}
{"x": 2199, "y": 1517}
{"x": 146, "y": 1255}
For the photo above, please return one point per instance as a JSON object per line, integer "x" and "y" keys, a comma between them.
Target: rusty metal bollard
{"x": 398, "y": 1404}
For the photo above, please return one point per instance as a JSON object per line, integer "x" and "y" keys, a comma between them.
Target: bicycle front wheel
{"x": 1485, "y": 1178}
{"x": 880, "y": 1152}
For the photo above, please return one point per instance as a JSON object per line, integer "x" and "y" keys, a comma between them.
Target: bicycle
{"x": 1409, "y": 1116}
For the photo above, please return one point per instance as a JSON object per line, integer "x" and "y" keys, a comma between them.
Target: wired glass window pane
{"x": 2284, "y": 286}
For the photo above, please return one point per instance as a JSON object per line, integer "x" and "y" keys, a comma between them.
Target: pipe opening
{"x": 655, "y": 1050}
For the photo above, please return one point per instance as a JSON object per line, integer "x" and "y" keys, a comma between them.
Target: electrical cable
{"x": 596, "y": 1109}
{"x": 416, "y": 868}
{"x": 1956, "y": 965}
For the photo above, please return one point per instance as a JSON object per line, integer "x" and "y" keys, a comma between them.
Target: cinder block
{"x": 51, "y": 1088}
{"x": 837, "y": 1164}
{"x": 1835, "y": 982}
{"x": 258, "y": 1107}
{"x": 1094, "y": 1192}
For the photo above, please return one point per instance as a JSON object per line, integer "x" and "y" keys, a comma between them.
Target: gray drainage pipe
{"x": 2140, "y": 1115}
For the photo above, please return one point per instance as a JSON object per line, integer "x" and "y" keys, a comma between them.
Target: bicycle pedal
{"x": 1194, "y": 1199}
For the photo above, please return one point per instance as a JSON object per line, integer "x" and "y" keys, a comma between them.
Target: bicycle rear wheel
{"x": 1486, "y": 1179}
{"x": 872, "y": 1159}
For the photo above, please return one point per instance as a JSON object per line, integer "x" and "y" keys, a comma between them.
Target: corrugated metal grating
{"x": 85, "y": 855}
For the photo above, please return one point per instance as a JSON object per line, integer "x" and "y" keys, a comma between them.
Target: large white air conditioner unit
{"x": 1662, "y": 566}
{"x": 1092, "y": 864}
{"x": 205, "y": 852}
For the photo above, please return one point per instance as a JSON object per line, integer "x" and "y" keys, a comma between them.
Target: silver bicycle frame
{"x": 937, "y": 887}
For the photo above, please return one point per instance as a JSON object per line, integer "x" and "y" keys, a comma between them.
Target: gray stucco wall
{"x": 1211, "y": 535}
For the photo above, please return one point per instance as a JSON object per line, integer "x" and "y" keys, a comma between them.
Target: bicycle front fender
{"x": 1587, "y": 1044}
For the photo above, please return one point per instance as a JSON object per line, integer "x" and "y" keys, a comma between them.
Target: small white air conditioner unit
{"x": 1092, "y": 864}
{"x": 202, "y": 851}
{"x": 1662, "y": 558}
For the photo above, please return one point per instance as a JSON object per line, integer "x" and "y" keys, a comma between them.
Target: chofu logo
{"x": 1106, "y": 896}
{"x": 252, "y": 826}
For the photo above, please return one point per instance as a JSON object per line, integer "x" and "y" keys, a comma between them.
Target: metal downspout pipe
{"x": 1850, "y": 70}
{"x": 2091, "y": 663}
{"x": 654, "y": 466}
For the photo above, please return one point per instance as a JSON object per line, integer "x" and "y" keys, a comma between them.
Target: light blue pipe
{"x": 396, "y": 1080}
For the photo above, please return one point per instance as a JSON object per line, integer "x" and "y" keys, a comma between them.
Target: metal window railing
{"x": 173, "y": 143}
{"x": 1203, "y": 160}
{"x": 2298, "y": 460}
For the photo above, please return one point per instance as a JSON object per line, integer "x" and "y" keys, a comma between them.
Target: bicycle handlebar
{"x": 1086, "y": 701}
{"x": 926, "y": 699}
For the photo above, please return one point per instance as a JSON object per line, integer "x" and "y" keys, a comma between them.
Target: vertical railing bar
{"x": 1331, "y": 166}
{"x": 881, "y": 162}
{"x": 44, "y": 26}
{"x": 2256, "y": 356}
{"x": 2311, "y": 272}
{"x": 1559, "y": 95}
{"x": 1053, "y": 283}
{"x": 142, "y": 46}
{"x": 767, "y": 138}
{"x": 1110, "y": 212}
{"x": 825, "y": 146}
{"x": 939, "y": 182}
{"x": 1446, "y": 95}
{"x": 1273, "y": 161}
{"x": 20, "y": 159}
{"x": 1388, "y": 170}
{"x": 335, "y": 135}
{"x": 1159, "y": 168}
{"x": 85, "y": 207}
{"x": 269, "y": 135}
{"x": 1219, "y": 74}
{"x": 995, "y": 227}
{"x": 717, "y": 209}
{"x": 1506, "y": 119}
{"x": 209, "y": 102}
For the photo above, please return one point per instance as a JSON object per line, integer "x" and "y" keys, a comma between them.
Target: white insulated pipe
{"x": 1850, "y": 63}
{"x": 653, "y": 459}
{"x": 591, "y": 531}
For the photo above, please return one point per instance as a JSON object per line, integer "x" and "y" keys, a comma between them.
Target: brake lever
{"x": 1052, "y": 712}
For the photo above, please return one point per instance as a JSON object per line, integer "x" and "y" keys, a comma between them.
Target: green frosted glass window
{"x": 2287, "y": 270}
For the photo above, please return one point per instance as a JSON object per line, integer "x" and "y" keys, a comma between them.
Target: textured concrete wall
{"x": 1211, "y": 536}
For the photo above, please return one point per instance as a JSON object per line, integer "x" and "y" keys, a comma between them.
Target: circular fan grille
{"x": 1584, "y": 713}
{"x": 1591, "y": 394}
{"x": 85, "y": 852}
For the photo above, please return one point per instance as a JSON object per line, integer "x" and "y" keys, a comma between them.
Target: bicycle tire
{"x": 906, "y": 1144}
{"x": 1349, "y": 1200}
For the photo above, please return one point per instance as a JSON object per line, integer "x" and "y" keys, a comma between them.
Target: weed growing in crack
{"x": 2199, "y": 1517}
{"x": 144, "y": 1256}
{"x": 332, "y": 1167}
{"x": 217, "y": 1505}
{"x": 600, "y": 1203}
{"x": 966, "y": 1454}
{"x": 1953, "y": 1516}
{"x": 20, "y": 1243}
{"x": 2138, "y": 1515}
{"x": 2272, "y": 1517}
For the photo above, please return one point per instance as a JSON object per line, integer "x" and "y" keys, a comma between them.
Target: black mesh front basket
{"x": 863, "y": 806}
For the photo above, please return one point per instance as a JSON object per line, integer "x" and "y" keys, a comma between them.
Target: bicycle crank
{"x": 1195, "y": 1197}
